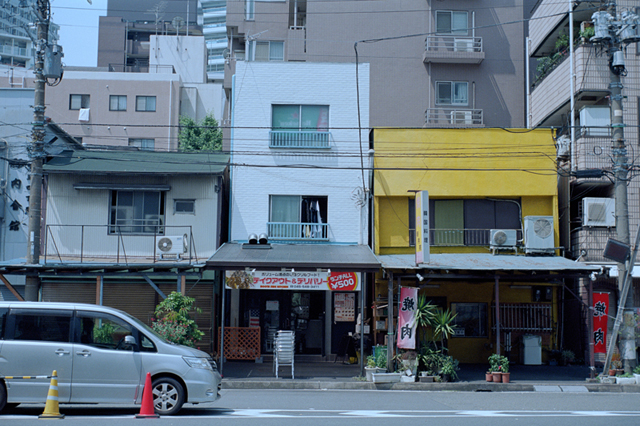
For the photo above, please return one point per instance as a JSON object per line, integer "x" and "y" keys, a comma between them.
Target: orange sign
{"x": 343, "y": 281}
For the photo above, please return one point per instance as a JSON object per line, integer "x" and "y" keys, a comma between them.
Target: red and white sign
{"x": 600, "y": 317}
{"x": 407, "y": 317}
{"x": 276, "y": 280}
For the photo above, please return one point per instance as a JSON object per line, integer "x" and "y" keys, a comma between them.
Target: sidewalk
{"x": 471, "y": 378}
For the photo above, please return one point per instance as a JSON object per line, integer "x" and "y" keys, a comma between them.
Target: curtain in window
{"x": 285, "y": 208}
{"x": 285, "y": 117}
{"x": 276, "y": 51}
{"x": 449, "y": 222}
{"x": 315, "y": 117}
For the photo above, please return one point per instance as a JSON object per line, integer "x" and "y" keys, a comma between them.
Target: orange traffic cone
{"x": 51, "y": 408}
{"x": 146, "y": 410}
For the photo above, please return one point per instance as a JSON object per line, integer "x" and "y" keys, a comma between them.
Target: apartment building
{"x": 587, "y": 205}
{"x": 17, "y": 33}
{"x": 433, "y": 64}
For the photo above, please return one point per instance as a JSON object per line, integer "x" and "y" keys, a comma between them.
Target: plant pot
{"x": 506, "y": 377}
{"x": 497, "y": 377}
{"x": 488, "y": 376}
{"x": 446, "y": 378}
{"x": 637, "y": 377}
{"x": 427, "y": 379}
{"x": 407, "y": 379}
{"x": 368, "y": 371}
{"x": 612, "y": 372}
{"x": 625, "y": 380}
{"x": 386, "y": 377}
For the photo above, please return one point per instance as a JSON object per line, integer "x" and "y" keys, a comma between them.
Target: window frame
{"x": 452, "y": 87}
{"x": 146, "y": 103}
{"x": 185, "y": 212}
{"x": 118, "y": 99}
{"x": 483, "y": 327}
{"x": 133, "y": 225}
{"x": 144, "y": 144}
{"x": 300, "y": 127}
{"x": 452, "y": 30}
{"x": 83, "y": 98}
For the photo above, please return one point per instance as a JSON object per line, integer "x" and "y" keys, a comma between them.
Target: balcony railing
{"x": 298, "y": 139}
{"x": 297, "y": 231}
{"x": 524, "y": 317}
{"x": 464, "y": 237}
{"x": 454, "y": 117}
{"x": 453, "y": 50}
{"x": 114, "y": 244}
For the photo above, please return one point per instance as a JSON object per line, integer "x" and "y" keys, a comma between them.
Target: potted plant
{"x": 568, "y": 357}
{"x": 370, "y": 368}
{"x": 449, "y": 369}
{"x": 432, "y": 361}
{"x": 636, "y": 374}
{"x": 625, "y": 379}
{"x": 616, "y": 365}
{"x": 409, "y": 361}
{"x": 495, "y": 361}
{"x": 504, "y": 369}
{"x": 381, "y": 376}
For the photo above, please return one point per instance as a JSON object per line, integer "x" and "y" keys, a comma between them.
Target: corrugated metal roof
{"x": 356, "y": 258}
{"x": 156, "y": 162}
{"x": 485, "y": 262}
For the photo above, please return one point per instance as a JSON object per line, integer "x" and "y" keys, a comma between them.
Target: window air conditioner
{"x": 461, "y": 117}
{"x": 172, "y": 246}
{"x": 463, "y": 45}
{"x": 538, "y": 234}
{"x": 503, "y": 238}
{"x": 598, "y": 212}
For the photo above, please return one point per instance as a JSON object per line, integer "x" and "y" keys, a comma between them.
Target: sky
{"x": 78, "y": 21}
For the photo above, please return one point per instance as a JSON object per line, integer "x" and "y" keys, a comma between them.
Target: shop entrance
{"x": 273, "y": 310}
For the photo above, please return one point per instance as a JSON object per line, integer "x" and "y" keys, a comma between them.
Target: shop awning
{"x": 486, "y": 262}
{"x": 303, "y": 257}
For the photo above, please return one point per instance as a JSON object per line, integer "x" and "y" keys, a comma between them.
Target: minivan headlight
{"x": 197, "y": 362}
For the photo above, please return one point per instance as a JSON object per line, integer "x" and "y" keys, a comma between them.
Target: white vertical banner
{"x": 422, "y": 227}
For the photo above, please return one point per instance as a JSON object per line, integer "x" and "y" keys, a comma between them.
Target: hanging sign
{"x": 407, "y": 317}
{"x": 275, "y": 280}
{"x": 600, "y": 317}
{"x": 422, "y": 227}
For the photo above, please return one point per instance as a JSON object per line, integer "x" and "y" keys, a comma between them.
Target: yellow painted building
{"x": 478, "y": 180}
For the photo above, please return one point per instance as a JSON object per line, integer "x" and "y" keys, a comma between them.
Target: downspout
{"x": 390, "y": 320}
{"x": 574, "y": 166}
{"x": 528, "y": 77}
{"x": 170, "y": 115}
{"x": 497, "y": 290}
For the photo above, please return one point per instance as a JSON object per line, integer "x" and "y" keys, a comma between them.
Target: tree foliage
{"x": 173, "y": 322}
{"x": 204, "y": 136}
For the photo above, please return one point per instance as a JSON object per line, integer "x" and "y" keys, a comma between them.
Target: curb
{"x": 430, "y": 387}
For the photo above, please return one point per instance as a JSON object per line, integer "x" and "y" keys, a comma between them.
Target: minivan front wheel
{"x": 168, "y": 396}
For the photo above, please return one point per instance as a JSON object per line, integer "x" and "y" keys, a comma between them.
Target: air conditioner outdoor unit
{"x": 598, "y": 212}
{"x": 172, "y": 246}
{"x": 503, "y": 238}
{"x": 595, "y": 120}
{"x": 538, "y": 234}
{"x": 463, "y": 45}
{"x": 461, "y": 117}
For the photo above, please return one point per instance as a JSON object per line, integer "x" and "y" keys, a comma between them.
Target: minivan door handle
{"x": 85, "y": 353}
{"x": 61, "y": 352}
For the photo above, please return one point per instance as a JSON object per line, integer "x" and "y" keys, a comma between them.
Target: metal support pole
{"x": 32, "y": 281}
{"x": 390, "y": 321}
{"x": 497, "y": 291}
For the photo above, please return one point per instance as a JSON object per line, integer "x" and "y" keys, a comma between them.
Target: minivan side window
{"x": 41, "y": 325}
{"x": 3, "y": 322}
{"x": 103, "y": 330}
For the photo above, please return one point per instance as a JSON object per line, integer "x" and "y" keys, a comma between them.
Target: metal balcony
{"x": 298, "y": 231}
{"x": 453, "y": 50}
{"x": 298, "y": 139}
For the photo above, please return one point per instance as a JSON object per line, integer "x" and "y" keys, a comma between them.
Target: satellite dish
{"x": 177, "y": 22}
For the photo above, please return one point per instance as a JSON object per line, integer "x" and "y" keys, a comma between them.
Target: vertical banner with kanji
{"x": 407, "y": 317}
{"x": 600, "y": 312}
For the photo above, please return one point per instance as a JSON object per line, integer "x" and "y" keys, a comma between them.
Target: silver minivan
{"x": 101, "y": 355}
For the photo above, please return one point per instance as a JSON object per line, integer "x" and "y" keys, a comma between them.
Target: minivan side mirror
{"x": 130, "y": 341}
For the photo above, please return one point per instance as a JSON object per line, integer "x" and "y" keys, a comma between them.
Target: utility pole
{"x": 613, "y": 33}
{"x": 36, "y": 152}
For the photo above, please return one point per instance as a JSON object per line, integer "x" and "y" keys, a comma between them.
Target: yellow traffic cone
{"x": 51, "y": 409}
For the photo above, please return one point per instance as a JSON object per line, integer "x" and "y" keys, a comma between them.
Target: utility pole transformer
{"x": 612, "y": 34}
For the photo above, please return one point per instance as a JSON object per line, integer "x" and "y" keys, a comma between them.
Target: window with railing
{"x": 525, "y": 317}
{"x": 137, "y": 212}
{"x": 297, "y": 218}
{"x": 469, "y": 222}
{"x": 299, "y": 126}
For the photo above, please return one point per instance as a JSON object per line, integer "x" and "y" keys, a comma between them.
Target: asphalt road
{"x": 354, "y": 408}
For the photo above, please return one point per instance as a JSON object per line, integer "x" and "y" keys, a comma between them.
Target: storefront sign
{"x": 600, "y": 312}
{"x": 407, "y": 317}
{"x": 422, "y": 227}
{"x": 275, "y": 280}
